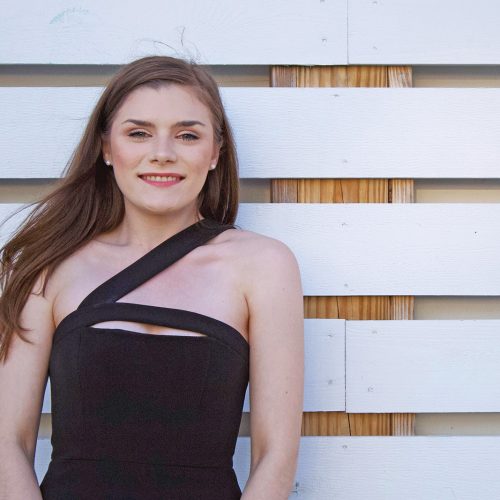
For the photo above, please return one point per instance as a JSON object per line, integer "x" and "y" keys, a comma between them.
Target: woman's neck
{"x": 144, "y": 232}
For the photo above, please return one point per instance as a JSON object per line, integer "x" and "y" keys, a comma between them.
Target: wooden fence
{"x": 340, "y": 136}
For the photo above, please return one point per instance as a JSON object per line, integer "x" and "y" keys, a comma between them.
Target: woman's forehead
{"x": 168, "y": 102}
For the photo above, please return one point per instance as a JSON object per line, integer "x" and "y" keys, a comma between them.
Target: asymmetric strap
{"x": 155, "y": 261}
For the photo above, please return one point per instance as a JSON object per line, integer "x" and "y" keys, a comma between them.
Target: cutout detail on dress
{"x": 146, "y": 329}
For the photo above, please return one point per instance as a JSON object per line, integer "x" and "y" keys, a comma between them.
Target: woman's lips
{"x": 161, "y": 180}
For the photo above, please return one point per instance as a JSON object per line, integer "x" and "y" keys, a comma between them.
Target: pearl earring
{"x": 212, "y": 166}
{"x": 107, "y": 162}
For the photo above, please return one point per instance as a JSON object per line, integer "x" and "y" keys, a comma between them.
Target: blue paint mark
{"x": 62, "y": 17}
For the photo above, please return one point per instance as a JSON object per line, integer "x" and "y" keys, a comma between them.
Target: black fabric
{"x": 145, "y": 416}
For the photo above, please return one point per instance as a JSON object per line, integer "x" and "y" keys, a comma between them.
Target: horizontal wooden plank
{"x": 424, "y": 32}
{"x": 386, "y": 249}
{"x": 381, "y": 249}
{"x": 392, "y": 468}
{"x": 290, "y": 133}
{"x": 422, "y": 366}
{"x": 324, "y": 384}
{"x": 431, "y": 468}
{"x": 222, "y": 32}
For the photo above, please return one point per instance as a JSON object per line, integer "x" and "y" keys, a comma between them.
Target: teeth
{"x": 160, "y": 178}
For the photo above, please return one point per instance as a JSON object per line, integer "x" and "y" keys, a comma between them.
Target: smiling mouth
{"x": 163, "y": 180}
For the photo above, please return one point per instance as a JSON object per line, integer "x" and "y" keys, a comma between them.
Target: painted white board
{"x": 391, "y": 468}
{"x": 424, "y": 32}
{"x": 215, "y": 32}
{"x": 386, "y": 249}
{"x": 382, "y": 249}
{"x": 381, "y": 468}
{"x": 422, "y": 366}
{"x": 289, "y": 133}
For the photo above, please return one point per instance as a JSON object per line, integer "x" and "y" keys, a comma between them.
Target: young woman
{"x": 131, "y": 287}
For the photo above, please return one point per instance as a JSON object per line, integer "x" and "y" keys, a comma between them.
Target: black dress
{"x": 145, "y": 416}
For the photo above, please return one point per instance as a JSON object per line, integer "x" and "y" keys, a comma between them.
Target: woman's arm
{"x": 23, "y": 378}
{"x": 276, "y": 333}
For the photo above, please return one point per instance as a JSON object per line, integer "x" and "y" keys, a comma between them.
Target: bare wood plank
{"x": 285, "y": 191}
{"x": 367, "y": 76}
{"x": 400, "y": 76}
{"x": 311, "y": 76}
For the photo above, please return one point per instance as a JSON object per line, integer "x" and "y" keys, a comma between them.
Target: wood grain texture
{"x": 367, "y": 76}
{"x": 400, "y": 76}
{"x": 311, "y": 76}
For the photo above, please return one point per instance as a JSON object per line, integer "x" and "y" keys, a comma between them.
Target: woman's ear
{"x": 215, "y": 155}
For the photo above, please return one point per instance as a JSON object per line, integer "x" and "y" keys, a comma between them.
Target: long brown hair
{"x": 87, "y": 201}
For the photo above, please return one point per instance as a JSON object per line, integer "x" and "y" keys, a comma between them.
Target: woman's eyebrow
{"x": 183, "y": 123}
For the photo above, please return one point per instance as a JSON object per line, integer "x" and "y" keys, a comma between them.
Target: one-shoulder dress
{"x": 145, "y": 416}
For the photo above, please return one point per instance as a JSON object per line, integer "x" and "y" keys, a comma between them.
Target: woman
{"x": 131, "y": 287}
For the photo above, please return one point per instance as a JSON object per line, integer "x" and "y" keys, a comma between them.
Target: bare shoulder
{"x": 252, "y": 246}
{"x": 260, "y": 257}
{"x": 69, "y": 270}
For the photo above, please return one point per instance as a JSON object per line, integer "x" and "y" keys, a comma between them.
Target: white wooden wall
{"x": 260, "y": 32}
{"x": 436, "y": 250}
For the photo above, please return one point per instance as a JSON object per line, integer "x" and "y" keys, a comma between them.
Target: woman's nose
{"x": 163, "y": 150}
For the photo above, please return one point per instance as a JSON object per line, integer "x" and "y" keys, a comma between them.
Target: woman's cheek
{"x": 127, "y": 153}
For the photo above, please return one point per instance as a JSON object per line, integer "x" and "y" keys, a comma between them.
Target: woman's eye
{"x": 188, "y": 137}
{"x": 140, "y": 134}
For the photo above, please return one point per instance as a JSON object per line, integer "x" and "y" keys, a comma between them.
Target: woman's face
{"x": 161, "y": 147}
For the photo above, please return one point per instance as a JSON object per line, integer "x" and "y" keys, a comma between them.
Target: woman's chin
{"x": 161, "y": 210}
